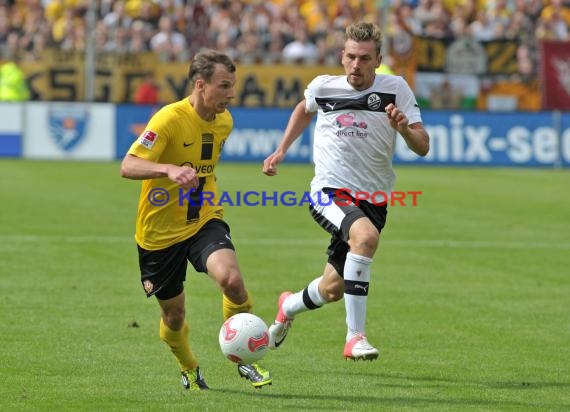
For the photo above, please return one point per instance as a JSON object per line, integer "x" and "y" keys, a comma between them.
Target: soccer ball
{"x": 244, "y": 338}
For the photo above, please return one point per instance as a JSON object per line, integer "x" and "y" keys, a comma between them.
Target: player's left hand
{"x": 398, "y": 120}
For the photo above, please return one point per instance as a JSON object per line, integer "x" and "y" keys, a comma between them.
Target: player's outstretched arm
{"x": 298, "y": 121}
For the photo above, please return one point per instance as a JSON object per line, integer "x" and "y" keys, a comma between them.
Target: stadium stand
{"x": 269, "y": 32}
{"x": 256, "y": 31}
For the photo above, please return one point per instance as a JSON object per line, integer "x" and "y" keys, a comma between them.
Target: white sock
{"x": 356, "y": 282}
{"x": 306, "y": 299}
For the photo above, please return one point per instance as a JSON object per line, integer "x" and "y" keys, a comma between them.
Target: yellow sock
{"x": 230, "y": 308}
{"x": 177, "y": 340}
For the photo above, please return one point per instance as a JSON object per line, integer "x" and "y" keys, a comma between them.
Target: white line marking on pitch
{"x": 428, "y": 243}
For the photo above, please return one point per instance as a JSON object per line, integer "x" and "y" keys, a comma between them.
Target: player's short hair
{"x": 364, "y": 31}
{"x": 203, "y": 65}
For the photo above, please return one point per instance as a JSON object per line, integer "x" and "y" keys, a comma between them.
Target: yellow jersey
{"x": 176, "y": 134}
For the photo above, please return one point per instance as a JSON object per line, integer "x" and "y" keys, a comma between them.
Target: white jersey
{"x": 353, "y": 140}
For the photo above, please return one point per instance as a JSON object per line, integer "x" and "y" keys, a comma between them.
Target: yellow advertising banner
{"x": 60, "y": 76}
{"x": 466, "y": 55}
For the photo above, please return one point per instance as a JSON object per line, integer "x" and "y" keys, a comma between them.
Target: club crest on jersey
{"x": 374, "y": 101}
{"x": 148, "y": 138}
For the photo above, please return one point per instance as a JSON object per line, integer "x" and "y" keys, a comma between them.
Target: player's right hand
{"x": 185, "y": 176}
{"x": 270, "y": 164}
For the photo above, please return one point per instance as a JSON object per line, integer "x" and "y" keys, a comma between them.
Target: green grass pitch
{"x": 469, "y": 302}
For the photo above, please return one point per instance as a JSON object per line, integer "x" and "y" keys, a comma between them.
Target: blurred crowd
{"x": 525, "y": 21}
{"x": 266, "y": 31}
{"x": 248, "y": 30}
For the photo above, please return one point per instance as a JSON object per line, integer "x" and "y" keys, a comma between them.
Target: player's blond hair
{"x": 364, "y": 31}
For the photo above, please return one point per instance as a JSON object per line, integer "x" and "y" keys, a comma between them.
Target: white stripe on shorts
{"x": 326, "y": 212}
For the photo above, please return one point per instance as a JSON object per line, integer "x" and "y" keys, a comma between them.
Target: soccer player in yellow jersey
{"x": 175, "y": 157}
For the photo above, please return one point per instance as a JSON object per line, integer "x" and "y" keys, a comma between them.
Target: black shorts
{"x": 163, "y": 271}
{"x": 337, "y": 215}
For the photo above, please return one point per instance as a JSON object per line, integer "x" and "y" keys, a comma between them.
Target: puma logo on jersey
{"x": 331, "y": 105}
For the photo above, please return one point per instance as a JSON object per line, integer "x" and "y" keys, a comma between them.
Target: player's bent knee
{"x": 233, "y": 282}
{"x": 174, "y": 319}
{"x": 333, "y": 294}
{"x": 365, "y": 241}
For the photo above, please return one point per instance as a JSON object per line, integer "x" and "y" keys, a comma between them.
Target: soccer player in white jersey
{"x": 359, "y": 117}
